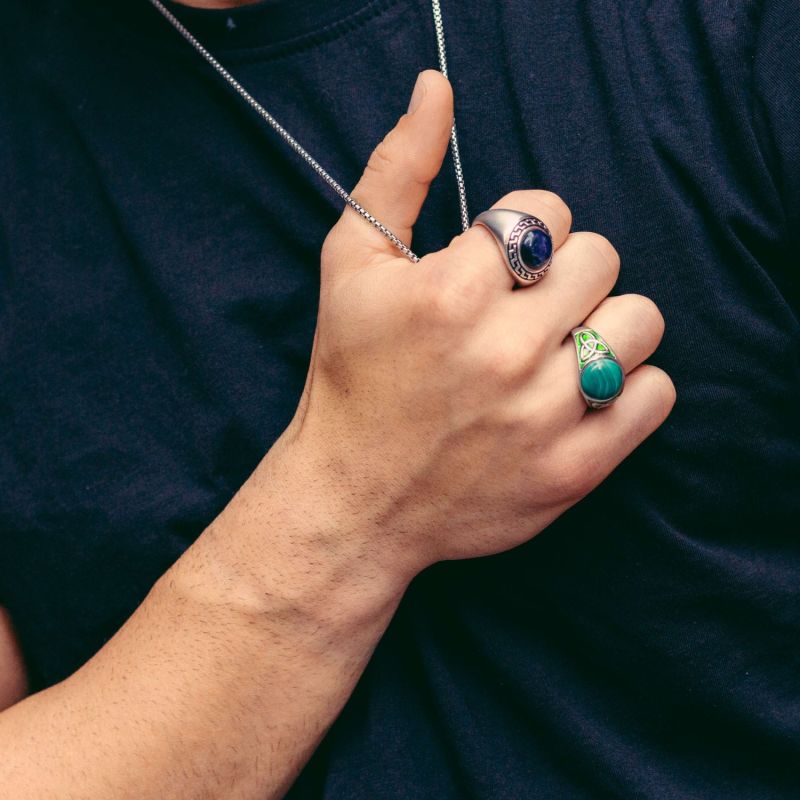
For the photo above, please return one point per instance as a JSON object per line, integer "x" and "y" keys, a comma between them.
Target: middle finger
{"x": 583, "y": 273}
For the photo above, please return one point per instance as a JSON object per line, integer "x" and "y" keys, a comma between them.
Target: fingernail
{"x": 417, "y": 95}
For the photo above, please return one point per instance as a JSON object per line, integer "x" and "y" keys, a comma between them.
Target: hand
{"x": 441, "y": 419}
{"x": 442, "y": 415}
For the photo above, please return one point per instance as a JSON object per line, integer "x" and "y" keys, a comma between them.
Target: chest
{"x": 160, "y": 294}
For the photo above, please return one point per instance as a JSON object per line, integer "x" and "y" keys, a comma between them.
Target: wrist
{"x": 285, "y": 546}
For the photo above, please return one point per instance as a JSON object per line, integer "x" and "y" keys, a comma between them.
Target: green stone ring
{"x": 600, "y": 374}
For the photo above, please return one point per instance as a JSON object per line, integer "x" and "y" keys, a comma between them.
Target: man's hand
{"x": 441, "y": 419}
{"x": 442, "y": 410}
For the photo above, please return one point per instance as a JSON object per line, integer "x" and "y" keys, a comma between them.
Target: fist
{"x": 442, "y": 415}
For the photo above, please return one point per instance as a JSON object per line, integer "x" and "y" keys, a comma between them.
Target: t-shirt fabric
{"x": 159, "y": 256}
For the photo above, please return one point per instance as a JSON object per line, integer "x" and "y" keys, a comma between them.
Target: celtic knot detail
{"x": 590, "y": 345}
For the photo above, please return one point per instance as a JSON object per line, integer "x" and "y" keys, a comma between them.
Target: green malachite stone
{"x": 601, "y": 379}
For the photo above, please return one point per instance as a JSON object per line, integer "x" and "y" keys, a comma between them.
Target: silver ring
{"x": 600, "y": 374}
{"x": 524, "y": 240}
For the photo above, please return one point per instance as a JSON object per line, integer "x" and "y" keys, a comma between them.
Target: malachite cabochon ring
{"x": 600, "y": 375}
{"x": 524, "y": 241}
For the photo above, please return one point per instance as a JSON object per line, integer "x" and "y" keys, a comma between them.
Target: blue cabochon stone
{"x": 535, "y": 248}
{"x": 601, "y": 379}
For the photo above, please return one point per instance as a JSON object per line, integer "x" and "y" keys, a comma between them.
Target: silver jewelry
{"x": 306, "y": 156}
{"x": 524, "y": 241}
{"x": 600, "y": 375}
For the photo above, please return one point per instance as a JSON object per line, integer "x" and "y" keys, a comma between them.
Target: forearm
{"x": 440, "y": 420}
{"x": 226, "y": 677}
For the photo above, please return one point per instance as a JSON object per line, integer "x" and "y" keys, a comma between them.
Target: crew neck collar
{"x": 264, "y": 24}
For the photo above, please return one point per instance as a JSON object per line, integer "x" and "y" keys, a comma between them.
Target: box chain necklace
{"x": 306, "y": 156}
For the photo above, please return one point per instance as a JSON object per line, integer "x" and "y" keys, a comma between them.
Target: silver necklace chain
{"x": 306, "y": 156}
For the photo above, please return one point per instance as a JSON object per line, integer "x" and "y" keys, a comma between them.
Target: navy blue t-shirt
{"x": 159, "y": 254}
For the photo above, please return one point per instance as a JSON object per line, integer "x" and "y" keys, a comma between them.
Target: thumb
{"x": 397, "y": 177}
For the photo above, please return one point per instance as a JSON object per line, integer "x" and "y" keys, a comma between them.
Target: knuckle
{"x": 537, "y": 342}
{"x": 576, "y": 472}
{"x": 519, "y": 198}
{"x": 452, "y": 301}
{"x": 381, "y": 159}
{"x": 534, "y": 200}
{"x": 397, "y": 155}
{"x": 648, "y": 314}
{"x": 502, "y": 364}
{"x": 556, "y": 204}
{"x": 659, "y": 390}
{"x": 604, "y": 252}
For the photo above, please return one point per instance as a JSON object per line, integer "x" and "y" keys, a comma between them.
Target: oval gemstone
{"x": 535, "y": 248}
{"x": 601, "y": 379}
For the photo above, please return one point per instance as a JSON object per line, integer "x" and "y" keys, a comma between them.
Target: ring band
{"x": 600, "y": 374}
{"x": 524, "y": 240}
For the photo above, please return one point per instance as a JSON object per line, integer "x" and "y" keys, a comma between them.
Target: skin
{"x": 434, "y": 392}
{"x": 13, "y": 683}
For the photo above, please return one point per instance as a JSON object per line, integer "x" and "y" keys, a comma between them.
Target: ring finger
{"x": 631, "y": 324}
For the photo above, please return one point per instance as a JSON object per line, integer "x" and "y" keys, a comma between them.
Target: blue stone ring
{"x": 524, "y": 240}
{"x": 600, "y": 375}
